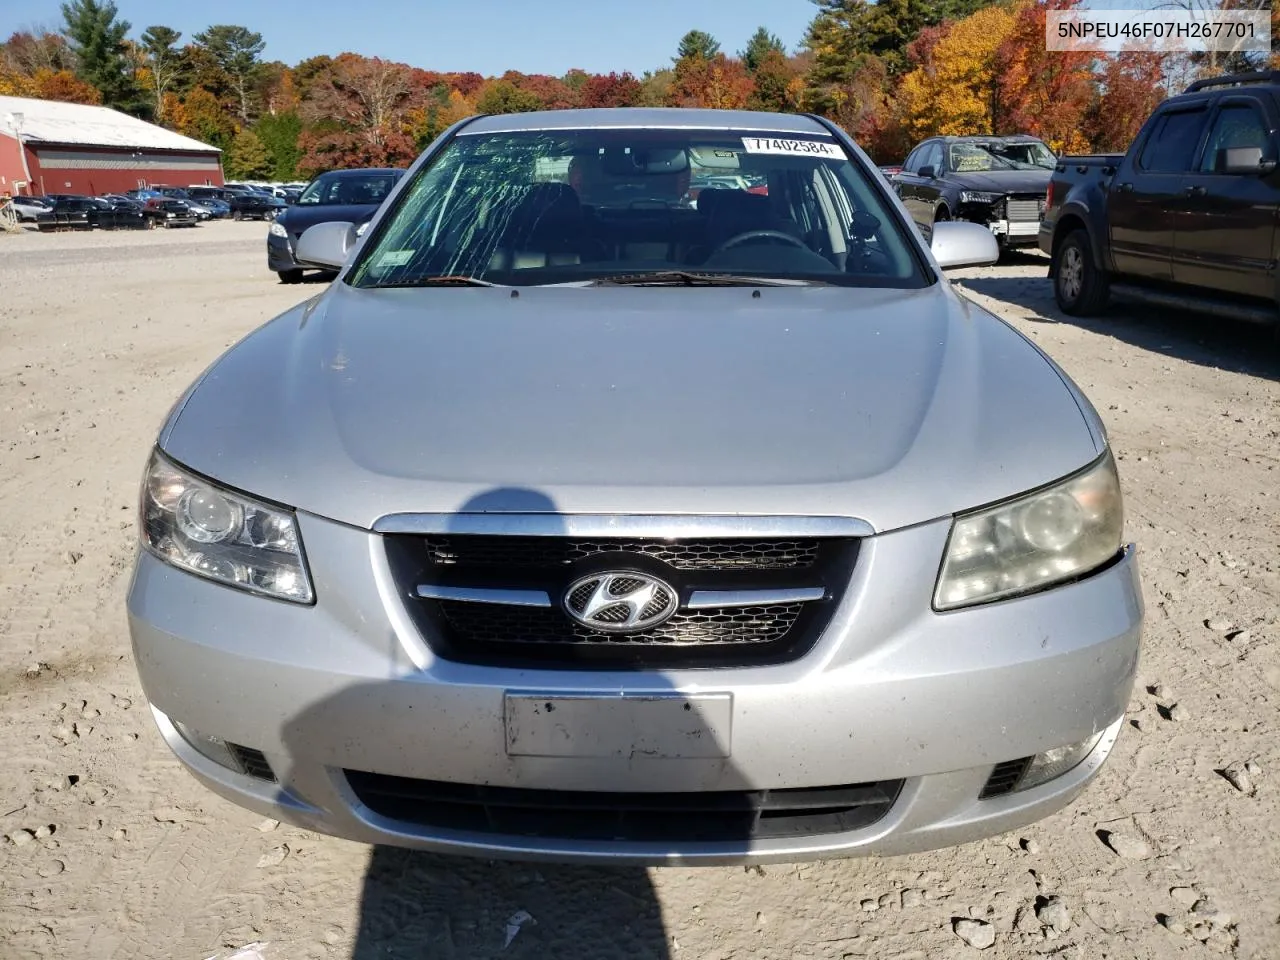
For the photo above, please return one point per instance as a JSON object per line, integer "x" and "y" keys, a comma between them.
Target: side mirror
{"x": 958, "y": 243}
{"x": 326, "y": 244}
{"x": 1243, "y": 160}
{"x": 928, "y": 172}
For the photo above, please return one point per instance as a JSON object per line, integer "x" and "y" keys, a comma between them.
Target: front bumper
{"x": 280, "y": 255}
{"x": 891, "y": 691}
{"x": 1015, "y": 233}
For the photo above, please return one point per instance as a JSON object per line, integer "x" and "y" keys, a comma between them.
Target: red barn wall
{"x": 10, "y": 166}
{"x": 97, "y": 170}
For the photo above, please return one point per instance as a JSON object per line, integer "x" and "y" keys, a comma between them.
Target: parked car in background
{"x": 69, "y": 211}
{"x": 1186, "y": 218}
{"x": 169, "y": 212}
{"x": 638, "y": 533}
{"x": 215, "y": 199}
{"x": 251, "y": 205}
{"x": 351, "y": 196}
{"x": 978, "y": 179}
{"x": 29, "y": 208}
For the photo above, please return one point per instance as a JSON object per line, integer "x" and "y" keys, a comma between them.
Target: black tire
{"x": 289, "y": 276}
{"x": 941, "y": 214}
{"x": 1080, "y": 288}
{"x": 237, "y": 215}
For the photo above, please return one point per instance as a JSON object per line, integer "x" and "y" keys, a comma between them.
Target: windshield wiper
{"x": 450, "y": 280}
{"x": 682, "y": 278}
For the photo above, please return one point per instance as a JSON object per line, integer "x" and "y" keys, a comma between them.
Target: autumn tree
{"x": 718, "y": 83}
{"x": 551, "y": 92}
{"x": 696, "y": 43}
{"x": 1043, "y": 93}
{"x": 307, "y": 73}
{"x": 775, "y": 80}
{"x": 1131, "y": 87}
{"x": 655, "y": 87}
{"x": 163, "y": 62}
{"x": 25, "y": 52}
{"x": 955, "y": 87}
{"x": 96, "y": 34}
{"x": 503, "y": 96}
{"x": 761, "y": 44}
{"x": 247, "y": 159}
{"x": 612, "y": 90}
{"x": 15, "y": 84}
{"x": 204, "y": 119}
{"x": 369, "y": 99}
{"x": 236, "y": 50}
{"x": 63, "y": 85}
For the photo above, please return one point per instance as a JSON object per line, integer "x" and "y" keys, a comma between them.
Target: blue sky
{"x": 532, "y": 36}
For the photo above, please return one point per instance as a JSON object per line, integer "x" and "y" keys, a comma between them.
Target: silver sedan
{"x": 583, "y": 518}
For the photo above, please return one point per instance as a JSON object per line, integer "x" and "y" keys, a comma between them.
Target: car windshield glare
{"x": 583, "y": 205}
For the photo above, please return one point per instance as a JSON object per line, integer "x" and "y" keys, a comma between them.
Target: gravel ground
{"x": 112, "y": 851}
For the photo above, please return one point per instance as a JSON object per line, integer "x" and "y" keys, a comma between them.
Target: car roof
{"x": 1001, "y": 138}
{"x": 661, "y": 117}
{"x": 364, "y": 171}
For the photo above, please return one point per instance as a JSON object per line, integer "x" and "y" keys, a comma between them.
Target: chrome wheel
{"x": 1071, "y": 273}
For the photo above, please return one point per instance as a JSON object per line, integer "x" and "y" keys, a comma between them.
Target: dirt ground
{"x": 112, "y": 851}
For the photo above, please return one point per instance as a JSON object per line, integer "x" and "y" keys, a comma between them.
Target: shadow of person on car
{"x": 487, "y": 764}
{"x": 1207, "y": 341}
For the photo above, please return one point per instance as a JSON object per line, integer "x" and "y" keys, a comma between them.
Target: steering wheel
{"x": 759, "y": 235}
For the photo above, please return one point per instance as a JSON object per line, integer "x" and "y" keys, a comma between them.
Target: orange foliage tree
{"x": 954, "y": 87}
{"x": 1045, "y": 93}
{"x": 64, "y": 85}
{"x": 1131, "y": 89}
{"x": 718, "y": 83}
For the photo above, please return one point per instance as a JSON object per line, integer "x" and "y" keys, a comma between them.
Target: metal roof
{"x": 645, "y": 117}
{"x": 51, "y": 121}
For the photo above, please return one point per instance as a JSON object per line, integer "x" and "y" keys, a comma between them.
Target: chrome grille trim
{"x": 712, "y": 599}
{"x": 604, "y": 525}
{"x": 510, "y": 598}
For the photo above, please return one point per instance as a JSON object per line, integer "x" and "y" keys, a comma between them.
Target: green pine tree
{"x": 279, "y": 134}
{"x": 697, "y": 43}
{"x": 762, "y": 43}
{"x": 96, "y": 34}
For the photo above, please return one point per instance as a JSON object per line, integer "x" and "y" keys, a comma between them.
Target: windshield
{"x": 565, "y": 206}
{"x": 1000, "y": 155}
{"x": 371, "y": 189}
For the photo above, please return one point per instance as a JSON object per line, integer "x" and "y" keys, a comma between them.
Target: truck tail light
{"x": 1048, "y": 197}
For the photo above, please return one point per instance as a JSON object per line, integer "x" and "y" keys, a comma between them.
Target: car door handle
{"x": 1195, "y": 191}
{"x": 1124, "y": 187}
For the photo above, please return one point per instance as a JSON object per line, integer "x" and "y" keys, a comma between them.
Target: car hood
{"x": 1004, "y": 181}
{"x": 891, "y": 406}
{"x": 297, "y": 219}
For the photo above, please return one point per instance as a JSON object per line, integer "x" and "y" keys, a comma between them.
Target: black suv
{"x": 1186, "y": 218}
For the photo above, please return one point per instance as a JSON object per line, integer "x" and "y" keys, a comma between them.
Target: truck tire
{"x": 1080, "y": 288}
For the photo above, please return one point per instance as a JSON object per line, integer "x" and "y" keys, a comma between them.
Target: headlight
{"x": 278, "y": 230}
{"x": 224, "y": 536}
{"x": 977, "y": 196}
{"x": 1040, "y": 539}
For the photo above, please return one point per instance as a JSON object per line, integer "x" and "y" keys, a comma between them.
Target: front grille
{"x": 1004, "y": 778}
{"x": 705, "y": 817}
{"x": 508, "y": 552}
{"x": 477, "y": 630}
{"x": 1023, "y": 210}
{"x": 252, "y": 762}
{"x": 485, "y": 623}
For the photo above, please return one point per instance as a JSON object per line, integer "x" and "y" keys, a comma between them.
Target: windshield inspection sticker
{"x": 396, "y": 258}
{"x": 802, "y": 148}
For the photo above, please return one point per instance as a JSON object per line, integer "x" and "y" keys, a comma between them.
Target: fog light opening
{"x": 1054, "y": 763}
{"x": 233, "y": 756}
{"x": 211, "y": 748}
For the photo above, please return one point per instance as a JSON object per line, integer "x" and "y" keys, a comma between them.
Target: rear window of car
{"x": 577, "y": 205}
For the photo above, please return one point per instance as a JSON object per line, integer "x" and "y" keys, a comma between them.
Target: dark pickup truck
{"x": 1187, "y": 218}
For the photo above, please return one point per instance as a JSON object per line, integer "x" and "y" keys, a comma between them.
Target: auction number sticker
{"x": 396, "y": 258}
{"x": 801, "y": 148}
